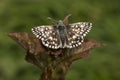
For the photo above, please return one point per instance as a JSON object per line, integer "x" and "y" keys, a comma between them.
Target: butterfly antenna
{"x": 66, "y": 19}
{"x": 52, "y": 20}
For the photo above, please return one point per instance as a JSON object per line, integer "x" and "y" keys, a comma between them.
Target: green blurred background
{"x": 22, "y": 15}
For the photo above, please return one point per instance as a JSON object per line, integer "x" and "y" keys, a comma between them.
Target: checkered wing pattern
{"x": 76, "y": 33}
{"x": 47, "y": 35}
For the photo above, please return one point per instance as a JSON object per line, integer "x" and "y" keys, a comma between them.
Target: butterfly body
{"x": 62, "y": 35}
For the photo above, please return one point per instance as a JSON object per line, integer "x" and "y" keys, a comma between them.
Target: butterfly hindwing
{"x": 76, "y": 33}
{"x": 47, "y": 35}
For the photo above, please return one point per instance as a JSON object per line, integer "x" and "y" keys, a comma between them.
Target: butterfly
{"x": 62, "y": 34}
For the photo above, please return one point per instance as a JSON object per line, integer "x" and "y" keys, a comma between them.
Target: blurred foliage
{"x": 22, "y": 15}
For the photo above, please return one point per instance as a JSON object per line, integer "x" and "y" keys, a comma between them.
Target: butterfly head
{"x": 60, "y": 25}
{"x": 60, "y": 22}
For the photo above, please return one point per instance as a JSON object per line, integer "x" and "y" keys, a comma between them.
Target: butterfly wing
{"x": 76, "y": 33}
{"x": 47, "y": 35}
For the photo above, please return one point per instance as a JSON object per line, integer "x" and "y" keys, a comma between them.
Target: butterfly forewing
{"x": 76, "y": 33}
{"x": 47, "y": 35}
